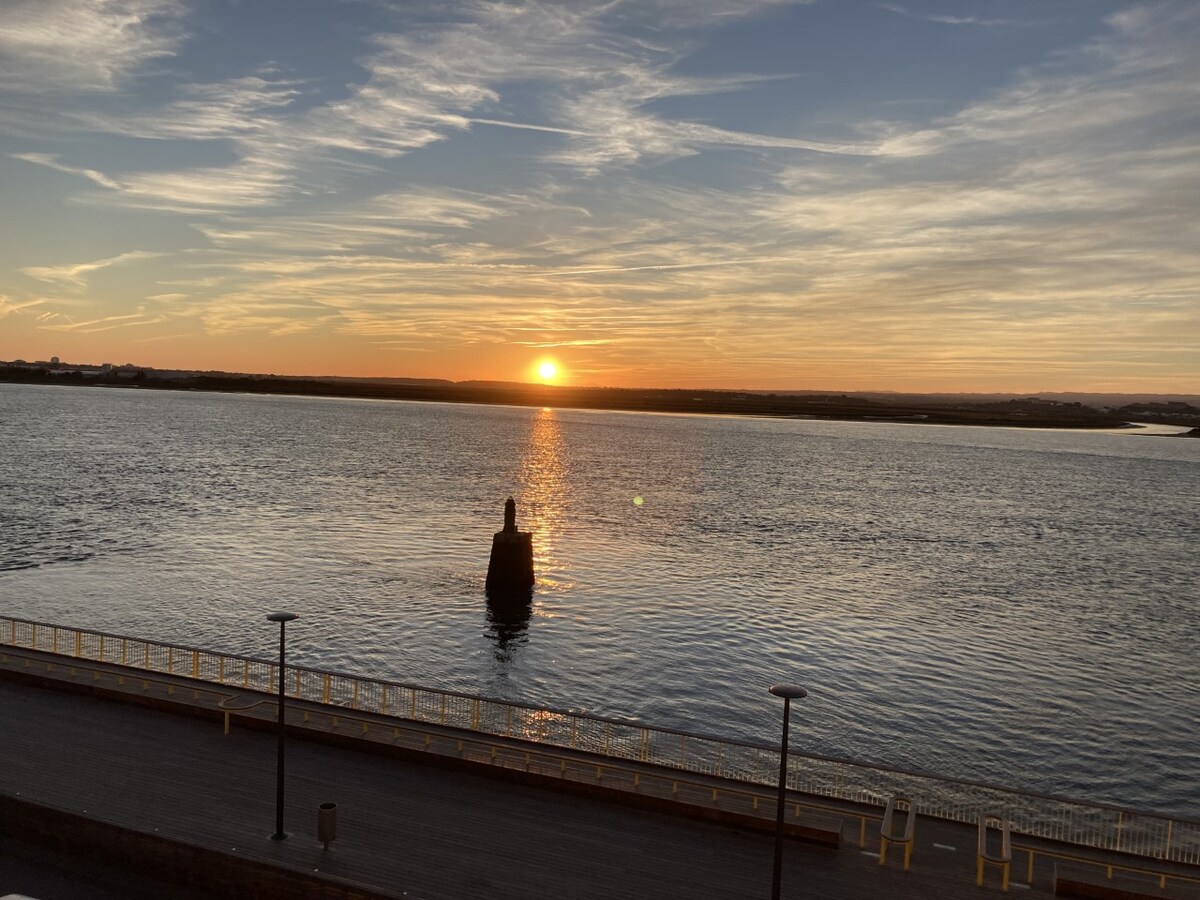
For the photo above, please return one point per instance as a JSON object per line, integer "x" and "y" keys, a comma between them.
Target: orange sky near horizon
{"x": 312, "y": 354}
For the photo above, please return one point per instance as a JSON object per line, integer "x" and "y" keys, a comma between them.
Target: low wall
{"x": 172, "y": 859}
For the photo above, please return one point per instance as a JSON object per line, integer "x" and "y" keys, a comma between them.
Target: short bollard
{"x": 326, "y": 823}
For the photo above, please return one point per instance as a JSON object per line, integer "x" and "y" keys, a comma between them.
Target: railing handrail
{"x": 624, "y": 723}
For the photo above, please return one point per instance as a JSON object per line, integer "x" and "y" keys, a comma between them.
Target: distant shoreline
{"x": 709, "y": 402}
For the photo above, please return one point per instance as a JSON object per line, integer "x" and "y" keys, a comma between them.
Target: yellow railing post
{"x": 325, "y": 688}
{"x": 475, "y": 714}
{"x": 195, "y": 663}
{"x": 78, "y": 643}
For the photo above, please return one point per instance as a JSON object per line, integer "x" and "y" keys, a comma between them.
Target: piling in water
{"x": 510, "y": 569}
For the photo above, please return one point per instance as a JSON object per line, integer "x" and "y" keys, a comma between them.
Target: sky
{"x": 929, "y": 195}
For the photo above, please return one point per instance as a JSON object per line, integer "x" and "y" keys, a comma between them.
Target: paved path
{"x": 418, "y": 830}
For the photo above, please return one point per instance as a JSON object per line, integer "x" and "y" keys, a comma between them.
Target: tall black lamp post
{"x": 788, "y": 692}
{"x": 282, "y": 618}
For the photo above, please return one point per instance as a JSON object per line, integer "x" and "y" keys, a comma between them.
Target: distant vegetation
{"x": 931, "y": 409}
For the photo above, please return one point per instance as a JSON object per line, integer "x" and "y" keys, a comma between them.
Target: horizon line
{"x": 544, "y": 385}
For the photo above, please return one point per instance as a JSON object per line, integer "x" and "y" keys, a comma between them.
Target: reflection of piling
{"x": 511, "y": 566}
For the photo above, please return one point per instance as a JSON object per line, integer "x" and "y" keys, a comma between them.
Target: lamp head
{"x": 281, "y": 617}
{"x": 788, "y": 691}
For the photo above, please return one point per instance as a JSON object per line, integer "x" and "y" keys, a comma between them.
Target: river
{"x": 1006, "y": 605}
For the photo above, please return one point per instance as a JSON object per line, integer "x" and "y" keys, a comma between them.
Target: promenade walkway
{"x": 412, "y": 830}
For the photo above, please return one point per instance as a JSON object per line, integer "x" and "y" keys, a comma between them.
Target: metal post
{"x": 777, "y": 869}
{"x": 787, "y": 692}
{"x": 282, "y": 618}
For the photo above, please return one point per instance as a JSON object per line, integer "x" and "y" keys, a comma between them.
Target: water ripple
{"x": 1002, "y": 605}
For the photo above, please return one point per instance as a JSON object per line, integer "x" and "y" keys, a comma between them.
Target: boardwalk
{"x": 421, "y": 831}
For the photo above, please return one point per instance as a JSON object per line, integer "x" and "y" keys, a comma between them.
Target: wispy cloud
{"x": 950, "y": 20}
{"x": 423, "y": 86}
{"x": 51, "y": 162}
{"x": 106, "y": 323}
{"x": 74, "y": 275}
{"x": 9, "y": 307}
{"x": 51, "y": 46}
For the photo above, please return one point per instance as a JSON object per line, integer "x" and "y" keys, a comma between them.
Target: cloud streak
{"x": 51, "y": 162}
{"x": 75, "y": 275}
{"x": 51, "y": 46}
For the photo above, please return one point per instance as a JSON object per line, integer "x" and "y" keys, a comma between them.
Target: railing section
{"x": 1069, "y": 821}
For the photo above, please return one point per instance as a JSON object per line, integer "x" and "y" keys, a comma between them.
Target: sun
{"x": 547, "y": 370}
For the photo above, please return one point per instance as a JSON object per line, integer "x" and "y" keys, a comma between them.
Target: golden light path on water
{"x": 542, "y": 504}
{"x": 543, "y": 500}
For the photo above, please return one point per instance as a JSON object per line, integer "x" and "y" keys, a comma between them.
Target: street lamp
{"x": 788, "y": 692}
{"x": 282, "y": 618}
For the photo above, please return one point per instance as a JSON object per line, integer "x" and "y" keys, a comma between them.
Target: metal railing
{"x": 1075, "y": 822}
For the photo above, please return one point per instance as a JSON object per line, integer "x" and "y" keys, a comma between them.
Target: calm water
{"x": 996, "y": 604}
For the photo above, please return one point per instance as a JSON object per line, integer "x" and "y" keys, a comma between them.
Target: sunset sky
{"x": 840, "y": 194}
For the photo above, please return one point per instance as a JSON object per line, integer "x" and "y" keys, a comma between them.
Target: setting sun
{"x": 547, "y": 370}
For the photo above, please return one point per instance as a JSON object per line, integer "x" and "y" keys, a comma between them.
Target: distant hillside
{"x": 431, "y": 382}
{"x": 1096, "y": 401}
{"x": 1017, "y": 412}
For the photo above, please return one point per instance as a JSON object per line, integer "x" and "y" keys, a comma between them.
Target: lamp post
{"x": 788, "y": 692}
{"x": 282, "y": 618}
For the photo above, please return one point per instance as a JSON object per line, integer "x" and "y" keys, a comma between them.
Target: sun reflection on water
{"x": 543, "y": 500}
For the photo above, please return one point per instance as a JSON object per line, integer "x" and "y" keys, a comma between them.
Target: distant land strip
{"x": 1029, "y": 412}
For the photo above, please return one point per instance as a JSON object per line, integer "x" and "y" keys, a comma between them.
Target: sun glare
{"x": 547, "y": 370}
